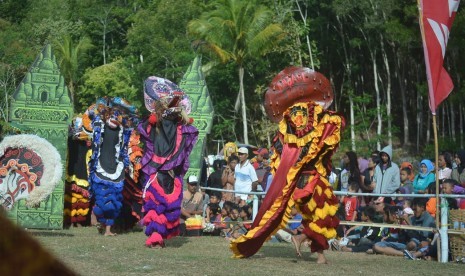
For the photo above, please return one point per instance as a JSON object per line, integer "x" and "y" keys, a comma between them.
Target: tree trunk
{"x": 304, "y": 19}
{"x": 378, "y": 100}
{"x": 461, "y": 124}
{"x": 244, "y": 115}
{"x": 404, "y": 104}
{"x": 428, "y": 127}
{"x": 452, "y": 121}
{"x": 388, "y": 91}
{"x": 352, "y": 122}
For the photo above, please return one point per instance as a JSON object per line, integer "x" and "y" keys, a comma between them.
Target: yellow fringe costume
{"x": 301, "y": 163}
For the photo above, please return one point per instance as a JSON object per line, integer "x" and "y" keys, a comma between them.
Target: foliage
{"x": 112, "y": 79}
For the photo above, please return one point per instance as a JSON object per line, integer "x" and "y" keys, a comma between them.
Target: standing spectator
{"x": 367, "y": 178}
{"x": 409, "y": 165}
{"x": 214, "y": 180}
{"x": 261, "y": 166}
{"x": 386, "y": 179}
{"x": 350, "y": 172}
{"x": 351, "y": 203}
{"x": 444, "y": 166}
{"x": 227, "y": 178}
{"x": 424, "y": 177}
{"x": 459, "y": 173}
{"x": 245, "y": 175}
{"x": 405, "y": 183}
{"x": 192, "y": 202}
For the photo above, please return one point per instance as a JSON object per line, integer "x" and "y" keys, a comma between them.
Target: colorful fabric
{"x": 112, "y": 120}
{"x": 168, "y": 140}
{"x": 300, "y": 164}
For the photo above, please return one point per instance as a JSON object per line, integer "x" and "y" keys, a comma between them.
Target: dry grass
{"x": 88, "y": 253}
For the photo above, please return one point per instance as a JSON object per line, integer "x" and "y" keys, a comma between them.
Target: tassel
{"x": 153, "y": 119}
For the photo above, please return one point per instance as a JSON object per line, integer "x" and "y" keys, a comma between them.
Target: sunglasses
{"x": 240, "y": 153}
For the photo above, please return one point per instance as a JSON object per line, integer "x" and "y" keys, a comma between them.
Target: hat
{"x": 243, "y": 150}
{"x": 262, "y": 151}
{"x": 193, "y": 180}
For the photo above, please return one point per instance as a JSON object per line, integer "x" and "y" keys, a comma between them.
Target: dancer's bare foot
{"x": 297, "y": 242}
{"x": 321, "y": 259}
{"x": 156, "y": 246}
{"x": 108, "y": 231}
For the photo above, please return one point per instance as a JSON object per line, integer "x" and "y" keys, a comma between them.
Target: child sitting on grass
{"x": 368, "y": 234}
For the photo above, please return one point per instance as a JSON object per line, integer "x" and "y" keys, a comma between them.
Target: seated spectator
{"x": 380, "y": 204}
{"x": 233, "y": 228}
{"x": 294, "y": 227}
{"x": 412, "y": 238}
{"x": 368, "y": 234}
{"x": 213, "y": 208}
{"x": 192, "y": 202}
{"x": 424, "y": 177}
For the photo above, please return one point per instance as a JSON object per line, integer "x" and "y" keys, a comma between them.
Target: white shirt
{"x": 245, "y": 175}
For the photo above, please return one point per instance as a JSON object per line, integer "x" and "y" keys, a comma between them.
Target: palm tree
{"x": 69, "y": 54}
{"x": 238, "y": 31}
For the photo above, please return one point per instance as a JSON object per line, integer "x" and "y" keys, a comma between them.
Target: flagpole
{"x": 435, "y": 131}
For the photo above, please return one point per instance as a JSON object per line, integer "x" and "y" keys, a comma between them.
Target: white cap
{"x": 243, "y": 150}
{"x": 193, "y": 179}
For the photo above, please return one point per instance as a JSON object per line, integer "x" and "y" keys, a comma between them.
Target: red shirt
{"x": 350, "y": 206}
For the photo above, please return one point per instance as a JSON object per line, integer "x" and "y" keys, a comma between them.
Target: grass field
{"x": 89, "y": 253}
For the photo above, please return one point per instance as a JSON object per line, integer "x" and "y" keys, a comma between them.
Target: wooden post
{"x": 436, "y": 169}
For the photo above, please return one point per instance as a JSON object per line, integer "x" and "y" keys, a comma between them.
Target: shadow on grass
{"x": 284, "y": 251}
{"x": 177, "y": 242}
{"x": 50, "y": 234}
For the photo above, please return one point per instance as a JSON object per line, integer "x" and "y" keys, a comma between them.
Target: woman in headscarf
{"x": 458, "y": 173}
{"x": 424, "y": 177}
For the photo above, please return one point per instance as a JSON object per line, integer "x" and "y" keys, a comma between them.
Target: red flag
{"x": 436, "y": 17}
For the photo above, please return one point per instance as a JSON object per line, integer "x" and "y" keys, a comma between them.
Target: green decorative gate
{"x": 193, "y": 83}
{"x": 42, "y": 105}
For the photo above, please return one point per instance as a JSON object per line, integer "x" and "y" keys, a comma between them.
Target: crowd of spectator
{"x": 229, "y": 213}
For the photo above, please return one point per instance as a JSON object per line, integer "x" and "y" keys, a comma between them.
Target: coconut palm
{"x": 69, "y": 55}
{"x": 238, "y": 31}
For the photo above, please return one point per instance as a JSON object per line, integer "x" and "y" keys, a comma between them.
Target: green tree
{"x": 237, "y": 31}
{"x": 112, "y": 79}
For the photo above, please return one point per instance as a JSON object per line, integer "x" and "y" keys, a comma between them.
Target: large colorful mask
{"x": 30, "y": 168}
{"x": 163, "y": 97}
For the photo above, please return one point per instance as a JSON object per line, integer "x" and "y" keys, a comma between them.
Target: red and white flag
{"x": 436, "y": 17}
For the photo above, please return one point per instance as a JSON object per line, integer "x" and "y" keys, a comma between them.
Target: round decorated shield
{"x": 30, "y": 168}
{"x": 293, "y": 85}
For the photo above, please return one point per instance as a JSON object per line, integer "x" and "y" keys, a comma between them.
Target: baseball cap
{"x": 262, "y": 151}
{"x": 243, "y": 150}
{"x": 193, "y": 180}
